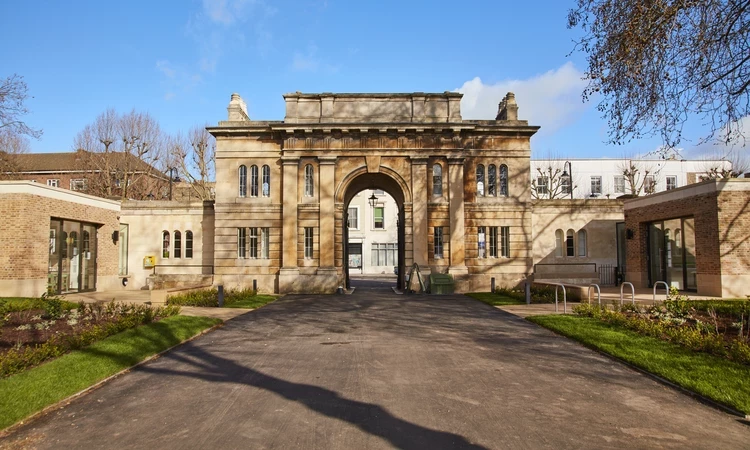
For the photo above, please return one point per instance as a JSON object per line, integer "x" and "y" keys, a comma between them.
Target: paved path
{"x": 378, "y": 370}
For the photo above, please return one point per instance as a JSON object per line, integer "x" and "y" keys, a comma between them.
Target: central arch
{"x": 390, "y": 182}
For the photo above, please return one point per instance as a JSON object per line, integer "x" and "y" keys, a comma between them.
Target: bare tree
{"x": 550, "y": 183}
{"x": 194, "y": 158}
{"x": 656, "y": 64}
{"x": 730, "y": 165}
{"x": 11, "y": 145}
{"x": 13, "y": 95}
{"x": 119, "y": 154}
{"x": 638, "y": 177}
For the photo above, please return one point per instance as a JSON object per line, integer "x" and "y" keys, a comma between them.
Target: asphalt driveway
{"x": 379, "y": 370}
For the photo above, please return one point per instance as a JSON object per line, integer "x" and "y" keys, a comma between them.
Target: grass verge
{"x": 718, "y": 379}
{"x": 253, "y": 302}
{"x": 26, "y": 393}
{"x": 11, "y": 304}
{"x": 495, "y": 299}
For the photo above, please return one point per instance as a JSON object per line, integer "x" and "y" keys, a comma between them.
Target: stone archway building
{"x": 282, "y": 188}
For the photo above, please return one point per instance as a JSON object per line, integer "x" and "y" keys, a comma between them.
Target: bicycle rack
{"x": 565, "y": 297}
{"x": 598, "y": 293}
{"x": 666, "y": 286}
{"x": 632, "y": 291}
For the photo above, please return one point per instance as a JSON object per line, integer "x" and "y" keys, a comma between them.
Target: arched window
{"x": 570, "y": 247}
{"x": 165, "y": 244}
{"x": 503, "y": 180}
{"x": 491, "y": 180}
{"x": 253, "y": 181}
{"x": 559, "y": 243}
{"x": 177, "y": 244}
{"x": 188, "y": 244}
{"x": 480, "y": 180}
{"x": 266, "y": 186}
{"x": 581, "y": 242}
{"x": 243, "y": 181}
{"x": 437, "y": 179}
{"x": 309, "y": 187}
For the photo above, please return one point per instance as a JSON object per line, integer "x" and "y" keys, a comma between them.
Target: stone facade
{"x": 331, "y": 146}
{"x": 147, "y": 222}
{"x": 722, "y": 233}
{"x": 27, "y": 209}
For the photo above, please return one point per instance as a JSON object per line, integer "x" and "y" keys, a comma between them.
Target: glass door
{"x": 88, "y": 258}
{"x": 688, "y": 245}
{"x": 673, "y": 263}
{"x": 656, "y": 256}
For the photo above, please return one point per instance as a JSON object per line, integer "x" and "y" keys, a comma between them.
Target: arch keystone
{"x": 373, "y": 163}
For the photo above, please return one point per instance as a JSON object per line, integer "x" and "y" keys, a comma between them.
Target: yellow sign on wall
{"x": 148, "y": 262}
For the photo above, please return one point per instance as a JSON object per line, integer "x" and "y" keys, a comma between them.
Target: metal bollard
{"x": 492, "y": 285}
{"x": 528, "y": 292}
{"x": 221, "y": 295}
{"x": 255, "y": 285}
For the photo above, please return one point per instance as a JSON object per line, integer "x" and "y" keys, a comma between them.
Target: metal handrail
{"x": 598, "y": 293}
{"x": 183, "y": 265}
{"x": 666, "y": 286}
{"x": 632, "y": 291}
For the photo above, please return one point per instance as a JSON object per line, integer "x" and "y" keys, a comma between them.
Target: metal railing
{"x": 608, "y": 274}
{"x": 185, "y": 265}
{"x": 564, "y": 264}
{"x": 666, "y": 286}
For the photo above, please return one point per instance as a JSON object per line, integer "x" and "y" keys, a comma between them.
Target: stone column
{"x": 327, "y": 219}
{"x": 456, "y": 192}
{"x": 419, "y": 210}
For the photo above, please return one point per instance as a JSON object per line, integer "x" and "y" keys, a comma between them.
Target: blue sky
{"x": 181, "y": 60}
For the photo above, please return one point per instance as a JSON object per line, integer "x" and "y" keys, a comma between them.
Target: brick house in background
{"x": 86, "y": 172}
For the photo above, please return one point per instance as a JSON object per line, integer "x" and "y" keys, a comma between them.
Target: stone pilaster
{"x": 419, "y": 212}
{"x": 289, "y": 218}
{"x": 327, "y": 220}
{"x": 456, "y": 192}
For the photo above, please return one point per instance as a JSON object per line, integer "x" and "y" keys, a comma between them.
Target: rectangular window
{"x": 438, "y": 242}
{"x": 565, "y": 184}
{"x": 352, "y": 218}
{"x": 378, "y": 192}
{"x": 493, "y": 242}
{"x": 505, "y": 242}
{"x": 241, "y": 242}
{"x": 377, "y": 216}
{"x": 77, "y": 185}
{"x": 649, "y": 184}
{"x": 596, "y": 185}
{"x": 671, "y": 182}
{"x": 481, "y": 242}
{"x": 308, "y": 243}
{"x": 541, "y": 185}
{"x": 53, "y": 183}
{"x": 188, "y": 244}
{"x": 253, "y": 243}
{"x": 570, "y": 249}
{"x": 264, "y": 243}
{"x": 619, "y": 184}
{"x": 383, "y": 254}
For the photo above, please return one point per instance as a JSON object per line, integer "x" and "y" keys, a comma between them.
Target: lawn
{"x": 718, "y": 379}
{"x": 28, "y": 392}
{"x": 253, "y": 302}
{"x": 495, "y": 299}
{"x": 233, "y": 298}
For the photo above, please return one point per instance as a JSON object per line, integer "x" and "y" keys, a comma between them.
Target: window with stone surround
{"x": 582, "y": 243}
{"x": 480, "y": 180}
{"x": 492, "y": 180}
{"x": 503, "y": 180}
{"x": 437, "y": 179}
{"x": 177, "y": 244}
{"x": 266, "y": 180}
{"x": 596, "y": 185}
{"x": 264, "y": 242}
{"x": 78, "y": 185}
{"x": 309, "y": 181}
{"x": 619, "y": 184}
{"x": 570, "y": 248}
{"x": 438, "y": 242}
{"x": 505, "y": 242}
{"x": 188, "y": 244}
{"x": 352, "y": 218}
{"x": 378, "y": 218}
{"x": 559, "y": 243}
{"x": 253, "y": 181}
{"x": 242, "y": 175}
{"x": 481, "y": 242}
{"x": 308, "y": 243}
{"x": 242, "y": 243}
{"x": 165, "y": 244}
{"x": 53, "y": 182}
{"x": 671, "y": 182}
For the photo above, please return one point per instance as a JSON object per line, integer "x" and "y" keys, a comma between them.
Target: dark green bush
{"x": 539, "y": 294}
{"x": 210, "y": 297}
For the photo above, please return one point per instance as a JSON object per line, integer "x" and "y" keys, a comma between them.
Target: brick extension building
{"x": 694, "y": 238}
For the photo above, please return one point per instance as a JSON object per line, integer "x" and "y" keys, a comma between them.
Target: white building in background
{"x": 373, "y": 233}
{"x": 606, "y": 178}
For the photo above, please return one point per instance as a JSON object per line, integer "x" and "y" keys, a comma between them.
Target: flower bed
{"x": 47, "y": 329}
{"x": 721, "y": 328}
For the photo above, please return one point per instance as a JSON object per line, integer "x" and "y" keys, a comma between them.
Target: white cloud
{"x": 550, "y": 100}
{"x": 310, "y": 62}
{"x": 227, "y": 12}
{"x": 176, "y": 78}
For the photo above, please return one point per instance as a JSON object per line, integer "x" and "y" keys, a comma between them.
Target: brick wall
{"x": 24, "y": 234}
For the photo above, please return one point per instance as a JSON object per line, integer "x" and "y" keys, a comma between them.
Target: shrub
{"x": 113, "y": 318}
{"x": 539, "y": 294}
{"x": 203, "y": 297}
